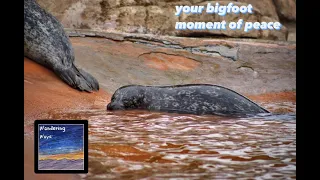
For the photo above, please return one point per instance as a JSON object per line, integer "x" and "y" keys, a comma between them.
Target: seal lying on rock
{"x": 199, "y": 99}
{"x": 46, "y": 43}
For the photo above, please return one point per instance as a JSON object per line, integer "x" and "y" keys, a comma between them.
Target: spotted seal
{"x": 199, "y": 99}
{"x": 46, "y": 43}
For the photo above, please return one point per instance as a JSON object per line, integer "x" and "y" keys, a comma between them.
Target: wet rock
{"x": 157, "y": 17}
{"x": 274, "y": 34}
{"x": 162, "y": 61}
{"x": 159, "y": 60}
{"x": 266, "y": 7}
{"x": 161, "y": 20}
{"x": 286, "y": 9}
{"x": 257, "y": 16}
{"x": 217, "y": 50}
{"x": 44, "y": 92}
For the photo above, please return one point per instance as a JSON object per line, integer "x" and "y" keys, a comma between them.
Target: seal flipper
{"x": 90, "y": 79}
{"x": 78, "y": 79}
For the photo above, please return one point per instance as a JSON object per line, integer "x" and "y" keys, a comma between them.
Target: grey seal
{"x": 46, "y": 43}
{"x": 198, "y": 99}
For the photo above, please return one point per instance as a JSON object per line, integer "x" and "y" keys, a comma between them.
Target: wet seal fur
{"x": 46, "y": 43}
{"x": 198, "y": 99}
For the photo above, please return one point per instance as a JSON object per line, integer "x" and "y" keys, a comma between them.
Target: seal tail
{"x": 78, "y": 79}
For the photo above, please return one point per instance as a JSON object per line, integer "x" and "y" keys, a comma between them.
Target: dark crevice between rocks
{"x": 153, "y": 42}
{"x": 282, "y": 17}
{"x": 210, "y": 53}
{"x": 202, "y": 35}
{"x": 200, "y": 49}
{"x": 104, "y": 10}
{"x": 245, "y": 66}
{"x": 208, "y": 35}
{"x": 146, "y": 20}
{"x": 260, "y": 52}
{"x": 229, "y": 52}
{"x": 127, "y": 36}
{"x": 134, "y": 39}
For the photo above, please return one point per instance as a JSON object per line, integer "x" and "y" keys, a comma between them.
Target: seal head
{"x": 128, "y": 97}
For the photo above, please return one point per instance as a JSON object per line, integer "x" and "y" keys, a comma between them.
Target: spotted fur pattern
{"x": 197, "y": 99}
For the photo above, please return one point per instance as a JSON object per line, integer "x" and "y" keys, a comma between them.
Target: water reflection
{"x": 144, "y": 145}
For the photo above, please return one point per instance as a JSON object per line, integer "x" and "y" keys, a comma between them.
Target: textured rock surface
{"x": 157, "y": 17}
{"x": 248, "y": 67}
{"x": 266, "y": 7}
{"x": 41, "y": 84}
{"x": 257, "y": 16}
{"x": 286, "y": 9}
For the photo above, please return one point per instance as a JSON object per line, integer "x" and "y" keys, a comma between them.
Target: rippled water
{"x": 143, "y": 145}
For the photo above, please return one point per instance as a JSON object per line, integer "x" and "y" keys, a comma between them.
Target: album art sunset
{"x": 61, "y": 147}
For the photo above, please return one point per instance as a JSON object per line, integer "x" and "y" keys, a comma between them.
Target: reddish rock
{"x": 258, "y": 67}
{"x": 285, "y": 96}
{"x": 44, "y": 92}
{"x": 163, "y": 61}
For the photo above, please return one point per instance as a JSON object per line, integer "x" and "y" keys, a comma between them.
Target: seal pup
{"x": 46, "y": 43}
{"x": 198, "y": 99}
